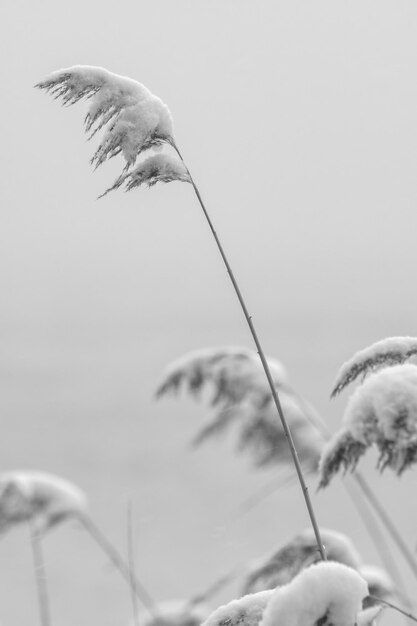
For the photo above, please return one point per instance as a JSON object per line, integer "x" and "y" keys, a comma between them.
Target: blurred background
{"x": 298, "y": 122}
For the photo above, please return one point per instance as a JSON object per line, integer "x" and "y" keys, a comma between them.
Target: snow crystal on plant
{"x": 329, "y": 592}
{"x": 135, "y": 118}
{"x": 261, "y": 432}
{"x": 389, "y": 351}
{"x": 36, "y": 495}
{"x": 342, "y": 451}
{"x": 162, "y": 168}
{"x": 382, "y": 412}
{"x": 233, "y": 372}
{"x": 246, "y": 611}
{"x": 300, "y": 552}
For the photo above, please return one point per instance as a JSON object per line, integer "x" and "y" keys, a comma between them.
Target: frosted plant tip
{"x": 387, "y": 352}
{"x": 159, "y": 168}
{"x": 382, "y": 412}
{"x": 135, "y": 119}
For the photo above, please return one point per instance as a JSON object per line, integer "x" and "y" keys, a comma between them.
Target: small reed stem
{"x": 114, "y": 556}
{"x": 131, "y": 563}
{"x": 40, "y": 573}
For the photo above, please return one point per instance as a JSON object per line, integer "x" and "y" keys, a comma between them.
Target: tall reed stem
{"x": 114, "y": 556}
{"x": 40, "y": 573}
{"x": 265, "y": 366}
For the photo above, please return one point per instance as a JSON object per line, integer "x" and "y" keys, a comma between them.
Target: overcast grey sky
{"x": 298, "y": 121}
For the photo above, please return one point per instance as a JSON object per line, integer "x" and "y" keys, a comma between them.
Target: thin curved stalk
{"x": 367, "y": 517}
{"x": 265, "y": 366}
{"x": 131, "y": 563}
{"x": 394, "y": 607}
{"x": 40, "y": 573}
{"x": 114, "y": 556}
{"x": 386, "y": 520}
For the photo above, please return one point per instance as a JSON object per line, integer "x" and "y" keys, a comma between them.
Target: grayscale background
{"x": 298, "y": 121}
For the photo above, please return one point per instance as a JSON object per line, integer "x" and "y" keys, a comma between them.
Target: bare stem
{"x": 367, "y": 517}
{"x": 40, "y": 573}
{"x": 131, "y": 562}
{"x": 386, "y": 520}
{"x": 394, "y": 607}
{"x": 114, "y": 556}
{"x": 265, "y": 366}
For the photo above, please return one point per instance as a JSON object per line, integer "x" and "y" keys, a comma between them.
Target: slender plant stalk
{"x": 371, "y": 524}
{"x": 386, "y": 520}
{"x": 265, "y": 366}
{"x": 131, "y": 563}
{"x": 40, "y": 573}
{"x": 394, "y": 607}
{"x": 114, "y": 556}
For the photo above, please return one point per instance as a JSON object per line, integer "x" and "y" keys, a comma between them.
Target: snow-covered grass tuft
{"x": 233, "y": 373}
{"x": 245, "y": 611}
{"x": 159, "y": 168}
{"x": 325, "y": 593}
{"x": 280, "y": 567}
{"x": 389, "y": 351}
{"x": 133, "y": 118}
{"x": 240, "y": 396}
{"x": 44, "y": 498}
{"x": 343, "y": 451}
{"x": 262, "y": 435}
{"x": 381, "y": 412}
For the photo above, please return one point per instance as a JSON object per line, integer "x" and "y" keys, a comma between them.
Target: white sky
{"x": 298, "y": 121}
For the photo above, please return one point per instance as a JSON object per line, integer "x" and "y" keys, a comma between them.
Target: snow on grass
{"x": 300, "y": 552}
{"x": 245, "y": 611}
{"x": 133, "y": 120}
{"x": 381, "y": 412}
{"x": 325, "y": 593}
{"x": 159, "y": 168}
{"x": 241, "y": 396}
{"x": 233, "y": 373}
{"x": 389, "y": 351}
{"x": 45, "y": 498}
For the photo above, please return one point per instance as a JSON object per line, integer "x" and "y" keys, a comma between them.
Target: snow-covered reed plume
{"x": 260, "y": 434}
{"x": 240, "y": 396}
{"x": 175, "y": 613}
{"x": 158, "y": 168}
{"x": 232, "y": 373}
{"x": 133, "y": 120}
{"x": 44, "y": 498}
{"x": 381, "y": 413}
{"x": 280, "y": 567}
{"x": 324, "y": 593}
{"x": 389, "y": 351}
{"x": 245, "y": 611}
